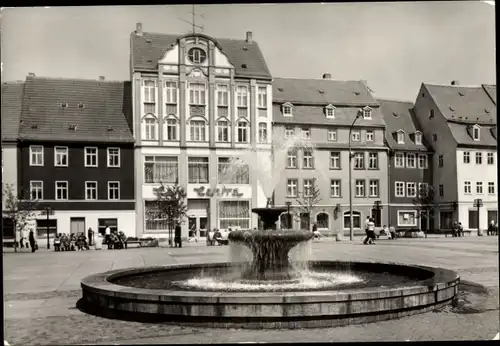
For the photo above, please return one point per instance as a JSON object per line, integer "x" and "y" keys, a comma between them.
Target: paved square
{"x": 41, "y": 291}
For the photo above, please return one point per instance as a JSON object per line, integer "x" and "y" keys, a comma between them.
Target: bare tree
{"x": 425, "y": 203}
{"x": 308, "y": 200}
{"x": 21, "y": 209}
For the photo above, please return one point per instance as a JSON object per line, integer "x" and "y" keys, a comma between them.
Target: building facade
{"x": 323, "y": 112}
{"x": 76, "y": 154}
{"x": 198, "y": 104}
{"x": 460, "y": 123}
{"x": 409, "y": 168}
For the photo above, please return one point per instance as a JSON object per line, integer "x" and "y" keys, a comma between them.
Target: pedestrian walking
{"x": 370, "y": 232}
{"x": 90, "y": 234}
{"x": 460, "y": 229}
{"x": 491, "y": 228}
{"x": 177, "y": 236}
{"x": 32, "y": 241}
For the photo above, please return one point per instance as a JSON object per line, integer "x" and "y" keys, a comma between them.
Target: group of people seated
{"x": 72, "y": 242}
{"x": 492, "y": 228}
{"x": 218, "y": 237}
{"x": 116, "y": 240}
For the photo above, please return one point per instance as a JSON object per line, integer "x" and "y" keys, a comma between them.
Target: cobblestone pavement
{"x": 41, "y": 291}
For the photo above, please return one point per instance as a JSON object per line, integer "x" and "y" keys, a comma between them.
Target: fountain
{"x": 269, "y": 290}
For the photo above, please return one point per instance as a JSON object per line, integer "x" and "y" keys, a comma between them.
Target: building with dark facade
{"x": 409, "y": 167}
{"x": 76, "y": 153}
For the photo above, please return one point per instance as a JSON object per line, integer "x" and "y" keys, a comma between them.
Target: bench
{"x": 449, "y": 231}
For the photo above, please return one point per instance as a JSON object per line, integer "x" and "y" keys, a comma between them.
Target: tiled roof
{"x": 491, "y": 90}
{"x": 105, "y": 116}
{"x": 12, "y": 96}
{"x": 398, "y": 115}
{"x": 145, "y": 55}
{"x": 322, "y": 91}
{"x": 461, "y": 134}
{"x": 463, "y": 104}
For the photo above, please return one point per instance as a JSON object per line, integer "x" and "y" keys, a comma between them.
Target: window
{"x": 291, "y": 160}
{"x": 170, "y": 129}
{"x": 418, "y": 138}
{"x": 359, "y": 160}
{"x": 374, "y": 190}
{"x": 369, "y": 136}
{"x": 242, "y": 96}
{"x": 322, "y": 220}
{"x": 152, "y": 216}
{"x": 411, "y": 160}
{"x": 198, "y": 170}
{"x": 113, "y": 190}
{"x": 355, "y": 136}
{"x": 332, "y": 135}
{"x": 401, "y": 137}
{"x": 479, "y": 187}
{"x": 242, "y": 132}
{"x": 234, "y": 214}
{"x": 305, "y": 133}
{"x": 197, "y": 94}
{"x": 399, "y": 160}
{"x": 149, "y": 97}
{"x": 150, "y": 129}
{"x": 291, "y": 188}
{"x": 422, "y": 161}
{"x": 372, "y": 160}
{"x": 356, "y": 219}
{"x": 160, "y": 169}
{"x": 479, "y": 157}
{"x": 441, "y": 190}
{"x": 36, "y": 155}
{"x": 422, "y": 190}
{"x": 335, "y": 188}
{"x": 467, "y": 187}
{"x": 330, "y": 111}
{"x": 61, "y": 156}
{"x": 289, "y": 132}
{"x": 197, "y": 55}
{"x": 308, "y": 159}
{"x": 367, "y": 113}
{"x": 476, "y": 132}
{"x": 440, "y": 161}
{"x": 91, "y": 190}
{"x": 466, "y": 157}
{"x": 262, "y": 97}
{"x": 222, "y": 131}
{"x": 334, "y": 160}
{"x": 472, "y": 219}
{"x": 287, "y": 110}
{"x": 36, "y": 190}
{"x": 491, "y": 188}
{"x": 171, "y": 93}
{"x": 407, "y": 218}
{"x": 490, "y": 159}
{"x": 231, "y": 173}
{"x": 411, "y": 190}
{"x": 446, "y": 219}
{"x": 197, "y": 130}
{"x": 308, "y": 187}
{"x": 90, "y": 157}
{"x": 400, "y": 189}
{"x": 360, "y": 188}
{"x": 61, "y": 190}
{"x": 222, "y": 95}
{"x": 113, "y": 157}
{"x": 262, "y": 132}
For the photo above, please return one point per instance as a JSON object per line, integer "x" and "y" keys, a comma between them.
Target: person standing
{"x": 107, "y": 235}
{"x": 90, "y": 234}
{"x": 177, "y": 236}
{"x": 491, "y": 227}
{"x": 460, "y": 229}
{"x": 32, "y": 240}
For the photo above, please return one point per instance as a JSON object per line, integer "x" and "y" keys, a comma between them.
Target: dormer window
{"x": 287, "y": 109}
{"x": 64, "y": 105}
{"x": 80, "y": 105}
{"x": 476, "y": 132}
{"x": 418, "y": 138}
{"x": 367, "y": 113}
{"x": 400, "y": 137}
{"x": 330, "y": 111}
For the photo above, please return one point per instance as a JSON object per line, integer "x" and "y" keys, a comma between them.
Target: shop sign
{"x": 217, "y": 192}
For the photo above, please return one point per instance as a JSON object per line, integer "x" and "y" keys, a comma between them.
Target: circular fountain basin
{"x": 382, "y": 291}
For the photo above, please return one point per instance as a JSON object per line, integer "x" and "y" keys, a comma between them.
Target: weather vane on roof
{"x": 193, "y": 21}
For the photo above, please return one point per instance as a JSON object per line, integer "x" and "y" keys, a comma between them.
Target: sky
{"x": 393, "y": 46}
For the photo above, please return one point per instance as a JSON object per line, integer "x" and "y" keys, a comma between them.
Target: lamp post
{"x": 288, "y": 204}
{"x": 351, "y": 231}
{"x": 478, "y": 203}
{"x": 49, "y": 212}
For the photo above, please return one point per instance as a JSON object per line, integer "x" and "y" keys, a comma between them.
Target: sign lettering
{"x": 217, "y": 192}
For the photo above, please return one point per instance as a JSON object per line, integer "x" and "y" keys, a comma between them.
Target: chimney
{"x": 455, "y": 82}
{"x": 138, "y": 29}
{"x": 249, "y": 37}
{"x": 31, "y": 74}
{"x": 327, "y": 76}
{"x": 102, "y": 78}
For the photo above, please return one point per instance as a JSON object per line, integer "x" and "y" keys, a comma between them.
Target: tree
{"x": 20, "y": 209}
{"x": 170, "y": 206}
{"x": 308, "y": 200}
{"x": 425, "y": 201}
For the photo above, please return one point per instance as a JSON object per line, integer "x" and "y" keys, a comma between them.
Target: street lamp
{"x": 351, "y": 231}
{"x": 49, "y": 212}
{"x": 288, "y": 204}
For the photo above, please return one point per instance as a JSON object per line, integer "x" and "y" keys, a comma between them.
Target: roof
{"x": 398, "y": 115}
{"x": 12, "y": 96}
{"x": 491, "y": 90}
{"x": 322, "y": 91}
{"x": 461, "y": 134}
{"x": 463, "y": 104}
{"x": 145, "y": 55}
{"x": 105, "y": 116}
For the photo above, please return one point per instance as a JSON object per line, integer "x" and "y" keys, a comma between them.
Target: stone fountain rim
{"x": 100, "y": 284}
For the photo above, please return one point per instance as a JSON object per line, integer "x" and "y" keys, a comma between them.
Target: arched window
{"x": 322, "y": 219}
{"x": 222, "y": 130}
{"x": 197, "y": 130}
{"x": 242, "y": 132}
{"x": 149, "y": 128}
{"x": 170, "y": 128}
{"x": 356, "y": 219}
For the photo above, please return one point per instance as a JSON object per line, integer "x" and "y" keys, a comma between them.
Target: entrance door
{"x": 423, "y": 221}
{"x": 192, "y": 226}
{"x": 202, "y": 226}
{"x": 77, "y": 225}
